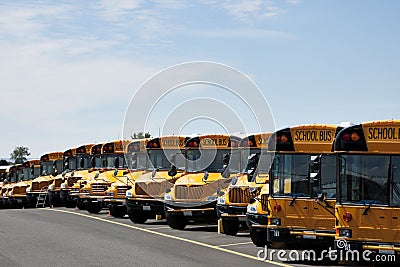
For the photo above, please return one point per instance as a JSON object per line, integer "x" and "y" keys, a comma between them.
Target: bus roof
{"x": 96, "y": 149}
{"x": 382, "y": 136}
{"x": 213, "y": 141}
{"x": 304, "y": 138}
{"x": 69, "y": 153}
{"x": 259, "y": 140}
{"x": 170, "y": 141}
{"x": 52, "y": 156}
{"x": 138, "y": 145}
{"x": 116, "y": 146}
{"x": 84, "y": 149}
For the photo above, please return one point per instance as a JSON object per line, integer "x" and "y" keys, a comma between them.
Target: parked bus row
{"x": 306, "y": 186}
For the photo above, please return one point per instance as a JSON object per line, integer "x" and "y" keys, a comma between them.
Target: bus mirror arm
{"x": 367, "y": 208}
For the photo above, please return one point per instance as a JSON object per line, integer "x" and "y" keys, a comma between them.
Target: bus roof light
{"x": 346, "y": 137}
{"x": 355, "y": 137}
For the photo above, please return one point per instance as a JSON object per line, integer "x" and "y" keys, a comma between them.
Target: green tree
{"x": 140, "y": 135}
{"x": 19, "y": 154}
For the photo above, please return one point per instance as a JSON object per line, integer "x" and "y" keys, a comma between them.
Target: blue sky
{"x": 68, "y": 69}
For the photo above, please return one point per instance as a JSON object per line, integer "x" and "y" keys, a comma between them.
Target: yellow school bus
{"x": 11, "y": 177}
{"x": 94, "y": 164}
{"x": 50, "y": 165}
{"x": 368, "y": 191}
{"x": 209, "y": 166}
{"x": 232, "y": 205}
{"x": 54, "y": 190}
{"x": 135, "y": 156}
{"x": 114, "y": 168}
{"x": 166, "y": 163}
{"x": 77, "y": 163}
{"x": 26, "y": 172}
{"x": 299, "y": 206}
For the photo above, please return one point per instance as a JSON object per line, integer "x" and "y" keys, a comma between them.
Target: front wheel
{"x": 118, "y": 211}
{"x": 94, "y": 207}
{"x": 176, "y": 221}
{"x": 230, "y": 227}
{"x": 259, "y": 237}
{"x": 137, "y": 216}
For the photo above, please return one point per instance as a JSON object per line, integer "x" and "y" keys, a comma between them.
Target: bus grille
{"x": 37, "y": 186}
{"x": 242, "y": 195}
{"x": 195, "y": 192}
{"x": 121, "y": 190}
{"x": 264, "y": 202}
{"x": 19, "y": 190}
{"x": 155, "y": 189}
{"x": 99, "y": 189}
{"x": 57, "y": 183}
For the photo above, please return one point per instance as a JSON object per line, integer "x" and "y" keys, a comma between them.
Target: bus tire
{"x": 259, "y": 237}
{"x": 137, "y": 216}
{"x": 94, "y": 207}
{"x": 230, "y": 227}
{"x": 176, "y": 221}
{"x": 70, "y": 204}
{"x": 118, "y": 211}
{"x": 81, "y": 205}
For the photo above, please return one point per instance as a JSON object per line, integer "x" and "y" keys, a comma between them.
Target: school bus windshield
{"x": 114, "y": 161}
{"x": 364, "y": 179}
{"x": 304, "y": 175}
{"x": 83, "y": 162}
{"x": 48, "y": 167}
{"x": 210, "y": 160}
{"x": 159, "y": 160}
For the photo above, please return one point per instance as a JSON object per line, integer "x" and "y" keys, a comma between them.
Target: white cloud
{"x": 243, "y": 33}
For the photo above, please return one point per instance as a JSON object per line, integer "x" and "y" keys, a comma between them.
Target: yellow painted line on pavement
{"x": 235, "y": 244}
{"x": 156, "y": 228}
{"x": 174, "y": 237}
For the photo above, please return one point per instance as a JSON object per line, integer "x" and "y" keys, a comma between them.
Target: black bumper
{"x": 256, "y": 219}
{"x": 204, "y": 212}
{"x": 231, "y": 210}
{"x": 150, "y": 207}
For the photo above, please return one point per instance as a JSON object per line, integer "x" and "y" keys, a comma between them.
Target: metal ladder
{"x": 42, "y": 197}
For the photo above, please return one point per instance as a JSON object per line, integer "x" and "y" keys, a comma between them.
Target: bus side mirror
{"x": 205, "y": 177}
{"x": 172, "y": 172}
{"x": 116, "y": 162}
{"x": 115, "y": 172}
{"x": 82, "y": 163}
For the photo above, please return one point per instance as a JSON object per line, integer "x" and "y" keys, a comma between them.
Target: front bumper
{"x": 201, "y": 211}
{"x": 151, "y": 207}
{"x": 231, "y": 212}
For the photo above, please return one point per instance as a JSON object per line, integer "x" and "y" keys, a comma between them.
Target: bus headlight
{"x": 63, "y": 186}
{"x": 51, "y": 187}
{"x": 221, "y": 200}
{"x": 128, "y": 193}
{"x": 275, "y": 221}
{"x": 28, "y": 190}
{"x": 10, "y": 193}
{"x": 4, "y": 194}
{"x": 251, "y": 209}
{"x": 167, "y": 197}
{"x": 211, "y": 198}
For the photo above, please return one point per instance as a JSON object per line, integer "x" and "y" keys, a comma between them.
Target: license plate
{"x": 276, "y": 233}
{"x": 146, "y": 208}
{"x": 309, "y": 237}
{"x": 187, "y": 213}
{"x": 242, "y": 219}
